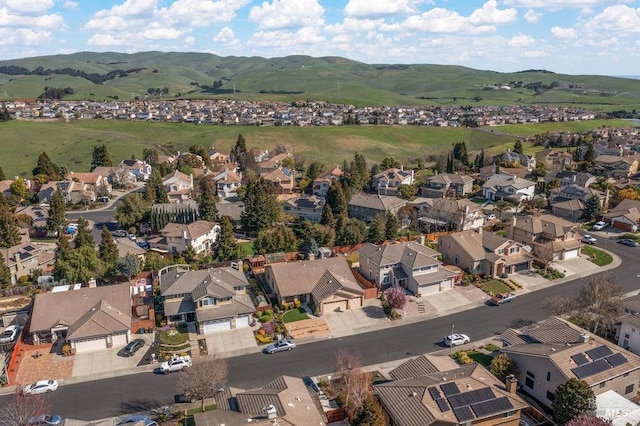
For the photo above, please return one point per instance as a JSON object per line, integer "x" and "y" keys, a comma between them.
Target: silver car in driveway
{"x": 282, "y": 345}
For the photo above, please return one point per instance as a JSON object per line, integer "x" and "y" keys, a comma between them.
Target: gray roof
{"x": 503, "y": 180}
{"x": 446, "y": 178}
{"x": 422, "y": 365}
{"x": 101, "y": 310}
{"x": 392, "y": 254}
{"x": 377, "y": 202}
{"x": 179, "y": 281}
{"x": 551, "y": 330}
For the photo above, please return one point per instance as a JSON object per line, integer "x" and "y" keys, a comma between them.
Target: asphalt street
{"x": 137, "y": 392}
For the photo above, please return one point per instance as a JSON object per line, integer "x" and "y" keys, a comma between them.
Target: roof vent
{"x": 414, "y": 394}
{"x": 271, "y": 411}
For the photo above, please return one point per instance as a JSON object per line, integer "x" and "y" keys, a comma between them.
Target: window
{"x": 457, "y": 260}
{"x": 628, "y": 389}
{"x": 529, "y": 381}
{"x": 514, "y": 250}
{"x": 602, "y": 385}
{"x": 626, "y": 335}
{"x": 508, "y": 414}
{"x": 548, "y": 376}
{"x": 550, "y": 396}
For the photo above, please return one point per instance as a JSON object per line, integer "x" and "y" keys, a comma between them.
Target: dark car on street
{"x": 628, "y": 242}
{"x": 132, "y": 347}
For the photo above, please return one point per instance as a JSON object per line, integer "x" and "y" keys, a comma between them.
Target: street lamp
{"x": 451, "y": 340}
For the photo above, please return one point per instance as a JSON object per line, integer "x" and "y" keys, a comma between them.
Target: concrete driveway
{"x": 227, "y": 343}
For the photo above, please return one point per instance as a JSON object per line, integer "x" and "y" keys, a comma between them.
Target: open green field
{"x": 71, "y": 143}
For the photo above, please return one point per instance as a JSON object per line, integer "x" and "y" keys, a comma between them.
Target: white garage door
{"x": 429, "y": 289}
{"x": 355, "y": 302}
{"x": 337, "y": 306}
{"x": 242, "y": 321}
{"x": 217, "y": 325}
{"x": 91, "y": 345}
{"x": 119, "y": 340}
{"x": 571, "y": 254}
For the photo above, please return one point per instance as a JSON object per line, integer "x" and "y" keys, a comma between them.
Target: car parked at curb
{"x": 120, "y": 233}
{"x": 281, "y": 346}
{"x": 9, "y": 334}
{"x": 502, "y": 298}
{"x": 177, "y": 363}
{"x": 45, "y": 419}
{"x": 41, "y": 386}
{"x": 139, "y": 419}
{"x": 589, "y": 239}
{"x": 456, "y": 339}
{"x": 628, "y": 242}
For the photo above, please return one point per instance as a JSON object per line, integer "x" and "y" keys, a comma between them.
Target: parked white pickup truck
{"x": 176, "y": 363}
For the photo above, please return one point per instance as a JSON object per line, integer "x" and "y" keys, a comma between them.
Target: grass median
{"x": 597, "y": 256}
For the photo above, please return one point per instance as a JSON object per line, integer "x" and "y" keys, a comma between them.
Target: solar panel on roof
{"x": 434, "y": 392}
{"x": 487, "y": 408}
{"x": 580, "y": 359}
{"x": 471, "y": 397}
{"x": 588, "y": 370}
{"x": 616, "y": 360}
{"x": 449, "y": 389}
{"x": 599, "y": 352}
{"x": 442, "y": 405}
{"x": 463, "y": 414}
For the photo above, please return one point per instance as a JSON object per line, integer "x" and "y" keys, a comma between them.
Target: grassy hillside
{"x": 71, "y": 143}
{"x": 302, "y": 77}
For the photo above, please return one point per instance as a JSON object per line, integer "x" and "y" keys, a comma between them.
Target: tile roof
{"x": 101, "y": 320}
{"x": 194, "y": 230}
{"x": 392, "y": 254}
{"x": 422, "y": 365}
{"x": 546, "y": 223}
{"x": 376, "y": 202}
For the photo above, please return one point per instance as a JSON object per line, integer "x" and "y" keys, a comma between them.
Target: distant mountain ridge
{"x": 122, "y": 76}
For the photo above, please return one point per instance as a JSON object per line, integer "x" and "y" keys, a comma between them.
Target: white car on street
{"x": 282, "y": 345}
{"x": 42, "y": 386}
{"x": 456, "y": 339}
{"x": 177, "y": 363}
{"x": 588, "y": 239}
{"x": 9, "y": 334}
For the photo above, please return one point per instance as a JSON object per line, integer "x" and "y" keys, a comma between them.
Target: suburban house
{"x": 578, "y": 192}
{"x": 284, "y": 401}
{"x": 551, "y": 237}
{"x": 555, "y": 159}
{"x": 178, "y": 186}
{"x": 281, "y": 178}
{"x": 389, "y": 180}
{"x": 25, "y": 258}
{"x": 569, "y": 177}
{"x": 38, "y": 214}
{"x": 140, "y": 169}
{"x": 435, "y": 390}
{"x": 412, "y": 266}
{"x": 366, "y": 206}
{"x": 176, "y": 237}
{"x": 502, "y": 186}
{"x": 484, "y": 253}
{"x": 275, "y": 162}
{"x": 613, "y": 166}
{"x": 445, "y": 185}
{"x": 127, "y": 247}
{"x": 322, "y": 183}
{"x": 97, "y": 183}
{"x": 628, "y": 325}
{"x": 625, "y": 215}
{"x": 212, "y": 299}
{"x": 568, "y": 209}
{"x": 233, "y": 210}
{"x": 227, "y": 183}
{"x": 325, "y": 284}
{"x": 553, "y": 351}
{"x": 89, "y": 318}
{"x": 513, "y": 159}
{"x": 217, "y": 157}
{"x": 46, "y": 191}
{"x": 451, "y": 215}
{"x": 307, "y": 208}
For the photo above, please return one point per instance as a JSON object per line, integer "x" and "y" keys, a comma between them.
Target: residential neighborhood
{"x": 159, "y": 263}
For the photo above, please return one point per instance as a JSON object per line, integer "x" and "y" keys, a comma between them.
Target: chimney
{"x": 422, "y": 239}
{"x": 514, "y": 220}
{"x": 271, "y": 412}
{"x": 184, "y": 234}
{"x": 511, "y": 383}
{"x": 584, "y": 338}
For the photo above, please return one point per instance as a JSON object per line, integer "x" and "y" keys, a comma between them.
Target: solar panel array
{"x": 471, "y": 397}
{"x": 434, "y": 392}
{"x": 602, "y": 359}
{"x": 486, "y": 408}
{"x": 463, "y": 414}
{"x": 468, "y": 405}
{"x": 442, "y": 405}
{"x": 449, "y": 389}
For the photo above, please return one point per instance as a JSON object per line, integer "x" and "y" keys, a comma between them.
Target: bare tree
{"x": 204, "y": 379}
{"x": 599, "y": 301}
{"x": 17, "y": 410}
{"x": 357, "y": 384}
{"x": 559, "y": 305}
{"x": 544, "y": 254}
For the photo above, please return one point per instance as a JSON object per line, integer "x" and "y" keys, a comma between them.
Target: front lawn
{"x": 495, "y": 286}
{"x": 481, "y": 358}
{"x": 598, "y": 257}
{"x": 295, "y": 315}
{"x": 174, "y": 336}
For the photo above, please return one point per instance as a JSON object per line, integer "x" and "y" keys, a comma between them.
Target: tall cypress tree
{"x": 57, "y": 217}
{"x": 5, "y": 274}
{"x": 83, "y": 238}
{"x": 9, "y": 235}
{"x": 517, "y": 147}
{"x": 227, "y": 247}
{"x": 337, "y": 200}
{"x": 101, "y": 157}
{"x": 108, "y": 251}
{"x": 46, "y": 167}
{"x": 261, "y": 208}
{"x": 207, "y": 201}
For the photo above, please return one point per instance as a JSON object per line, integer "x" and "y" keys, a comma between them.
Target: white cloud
{"x": 49, "y": 22}
{"x": 280, "y": 14}
{"x": 109, "y": 40}
{"x": 521, "y": 40}
{"x": 161, "y": 33}
{"x": 436, "y": 20}
{"x": 130, "y": 8}
{"x": 532, "y": 16}
{"x": 563, "y": 33}
{"x": 353, "y": 25}
{"x": 108, "y": 23}
{"x": 490, "y": 14}
{"x": 555, "y": 4}
{"x": 225, "y": 36}
{"x": 23, "y": 36}
{"x": 28, "y": 7}
{"x": 73, "y": 5}
{"x": 620, "y": 19}
{"x": 200, "y": 13}
{"x": 378, "y": 8}
{"x": 189, "y": 40}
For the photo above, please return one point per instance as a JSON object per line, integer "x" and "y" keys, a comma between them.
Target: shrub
{"x": 491, "y": 347}
{"x": 276, "y": 309}
{"x": 285, "y": 306}
{"x": 264, "y": 339}
{"x": 268, "y": 312}
{"x": 261, "y": 332}
{"x": 267, "y": 328}
{"x": 265, "y": 318}
{"x": 296, "y": 303}
{"x": 66, "y": 348}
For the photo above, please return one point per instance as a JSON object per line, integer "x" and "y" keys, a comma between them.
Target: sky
{"x": 564, "y": 36}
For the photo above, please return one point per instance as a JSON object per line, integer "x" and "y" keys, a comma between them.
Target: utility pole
{"x": 451, "y": 341}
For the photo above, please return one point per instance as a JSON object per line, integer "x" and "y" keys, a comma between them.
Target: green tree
{"x": 502, "y": 366}
{"x": 314, "y": 170}
{"x": 202, "y": 152}
{"x": 83, "y": 237}
{"x": 18, "y": 190}
{"x": 370, "y": 414}
{"x": 389, "y": 163}
{"x": 376, "y": 233}
{"x": 327, "y": 217}
{"x": 517, "y": 147}
{"x": 2, "y": 175}
{"x": 277, "y": 239}
{"x": 406, "y": 192}
{"x": 261, "y": 208}
{"x": 5, "y": 274}
{"x": 391, "y": 226}
{"x": 571, "y": 399}
{"x": 57, "y": 218}
{"x": 128, "y": 265}
{"x": 358, "y": 176}
{"x": 207, "y": 201}
{"x": 45, "y": 166}
{"x": 108, "y": 251}
{"x": 150, "y": 156}
{"x": 9, "y": 235}
{"x": 131, "y": 210}
{"x": 337, "y": 200}
{"x": 101, "y": 157}
{"x": 63, "y": 248}
{"x": 79, "y": 265}
{"x": 350, "y": 231}
{"x": 154, "y": 262}
{"x": 227, "y": 248}
{"x": 592, "y": 208}
{"x": 590, "y": 154}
